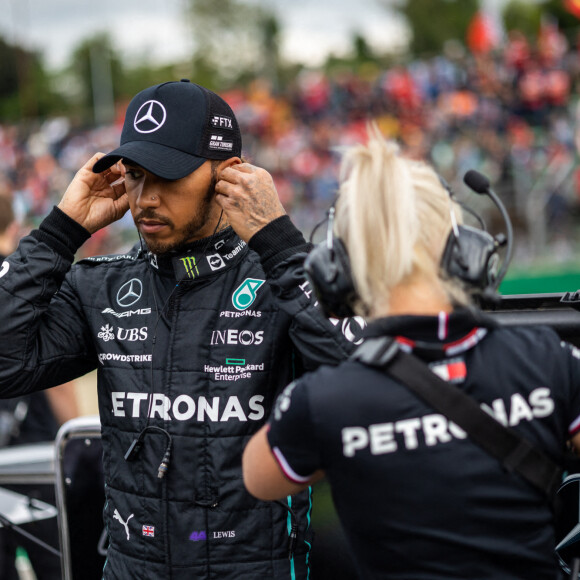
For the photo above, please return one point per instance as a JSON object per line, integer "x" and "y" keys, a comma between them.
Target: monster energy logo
{"x": 190, "y": 266}
{"x": 245, "y": 294}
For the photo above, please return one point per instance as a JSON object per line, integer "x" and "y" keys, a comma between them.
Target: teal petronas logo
{"x": 245, "y": 294}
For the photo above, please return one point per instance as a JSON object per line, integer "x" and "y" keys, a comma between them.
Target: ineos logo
{"x": 235, "y": 336}
{"x": 129, "y": 293}
{"x": 150, "y": 117}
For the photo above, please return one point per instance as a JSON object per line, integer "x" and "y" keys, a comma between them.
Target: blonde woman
{"x": 416, "y": 497}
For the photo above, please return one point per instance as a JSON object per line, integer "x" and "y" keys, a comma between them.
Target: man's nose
{"x": 147, "y": 196}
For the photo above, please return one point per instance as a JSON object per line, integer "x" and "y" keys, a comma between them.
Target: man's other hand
{"x": 95, "y": 200}
{"x": 248, "y": 197}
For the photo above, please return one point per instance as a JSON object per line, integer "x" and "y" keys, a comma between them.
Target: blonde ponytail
{"x": 394, "y": 217}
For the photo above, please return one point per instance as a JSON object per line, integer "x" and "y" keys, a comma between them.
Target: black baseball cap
{"x": 172, "y": 128}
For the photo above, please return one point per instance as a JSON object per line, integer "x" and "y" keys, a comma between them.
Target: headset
{"x": 470, "y": 255}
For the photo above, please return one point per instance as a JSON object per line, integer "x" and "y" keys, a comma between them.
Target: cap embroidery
{"x": 217, "y": 142}
{"x": 171, "y": 128}
{"x": 221, "y": 122}
{"x": 150, "y": 117}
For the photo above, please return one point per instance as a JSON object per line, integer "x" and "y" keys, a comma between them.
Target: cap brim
{"x": 160, "y": 160}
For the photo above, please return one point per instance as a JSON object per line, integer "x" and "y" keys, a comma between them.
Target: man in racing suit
{"x": 193, "y": 333}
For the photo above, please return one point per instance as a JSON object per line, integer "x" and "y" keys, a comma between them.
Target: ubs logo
{"x": 129, "y": 293}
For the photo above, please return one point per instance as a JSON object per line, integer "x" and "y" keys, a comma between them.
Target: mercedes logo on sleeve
{"x": 150, "y": 117}
{"x": 129, "y": 293}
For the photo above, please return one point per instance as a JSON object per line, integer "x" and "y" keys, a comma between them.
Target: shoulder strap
{"x": 514, "y": 452}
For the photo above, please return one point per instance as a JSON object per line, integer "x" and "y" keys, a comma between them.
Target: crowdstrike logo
{"x": 150, "y": 117}
{"x": 129, "y": 293}
{"x": 245, "y": 293}
{"x": 128, "y": 358}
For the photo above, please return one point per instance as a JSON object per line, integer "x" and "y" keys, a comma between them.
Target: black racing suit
{"x": 417, "y": 498}
{"x": 191, "y": 351}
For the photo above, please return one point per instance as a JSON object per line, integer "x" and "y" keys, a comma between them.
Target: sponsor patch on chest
{"x": 451, "y": 370}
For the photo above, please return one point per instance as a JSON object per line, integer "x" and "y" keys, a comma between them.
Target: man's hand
{"x": 248, "y": 197}
{"x": 92, "y": 199}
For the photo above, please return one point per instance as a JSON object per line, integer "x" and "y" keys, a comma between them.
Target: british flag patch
{"x": 149, "y": 531}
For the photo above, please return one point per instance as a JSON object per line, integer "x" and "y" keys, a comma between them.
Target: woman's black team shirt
{"x": 417, "y": 498}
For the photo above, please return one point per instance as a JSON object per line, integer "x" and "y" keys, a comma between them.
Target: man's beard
{"x": 190, "y": 230}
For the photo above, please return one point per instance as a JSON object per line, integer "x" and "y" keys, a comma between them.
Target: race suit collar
{"x": 435, "y": 336}
{"x": 202, "y": 258}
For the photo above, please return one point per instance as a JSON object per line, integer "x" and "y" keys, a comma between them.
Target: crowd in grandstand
{"x": 511, "y": 113}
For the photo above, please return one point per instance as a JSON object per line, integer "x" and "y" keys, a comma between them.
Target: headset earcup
{"x": 471, "y": 256}
{"x": 328, "y": 270}
{"x": 452, "y": 261}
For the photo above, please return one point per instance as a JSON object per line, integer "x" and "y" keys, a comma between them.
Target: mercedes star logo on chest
{"x": 129, "y": 292}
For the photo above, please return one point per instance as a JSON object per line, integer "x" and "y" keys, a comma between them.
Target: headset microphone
{"x": 480, "y": 184}
{"x": 477, "y": 181}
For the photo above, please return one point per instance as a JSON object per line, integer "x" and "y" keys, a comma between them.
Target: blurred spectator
{"x": 498, "y": 106}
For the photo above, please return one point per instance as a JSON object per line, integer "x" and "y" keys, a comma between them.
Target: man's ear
{"x": 229, "y": 162}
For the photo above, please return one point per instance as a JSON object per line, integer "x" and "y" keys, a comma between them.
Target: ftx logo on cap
{"x": 172, "y": 128}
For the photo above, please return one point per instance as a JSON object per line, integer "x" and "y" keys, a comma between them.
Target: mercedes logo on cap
{"x": 150, "y": 117}
{"x": 129, "y": 293}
